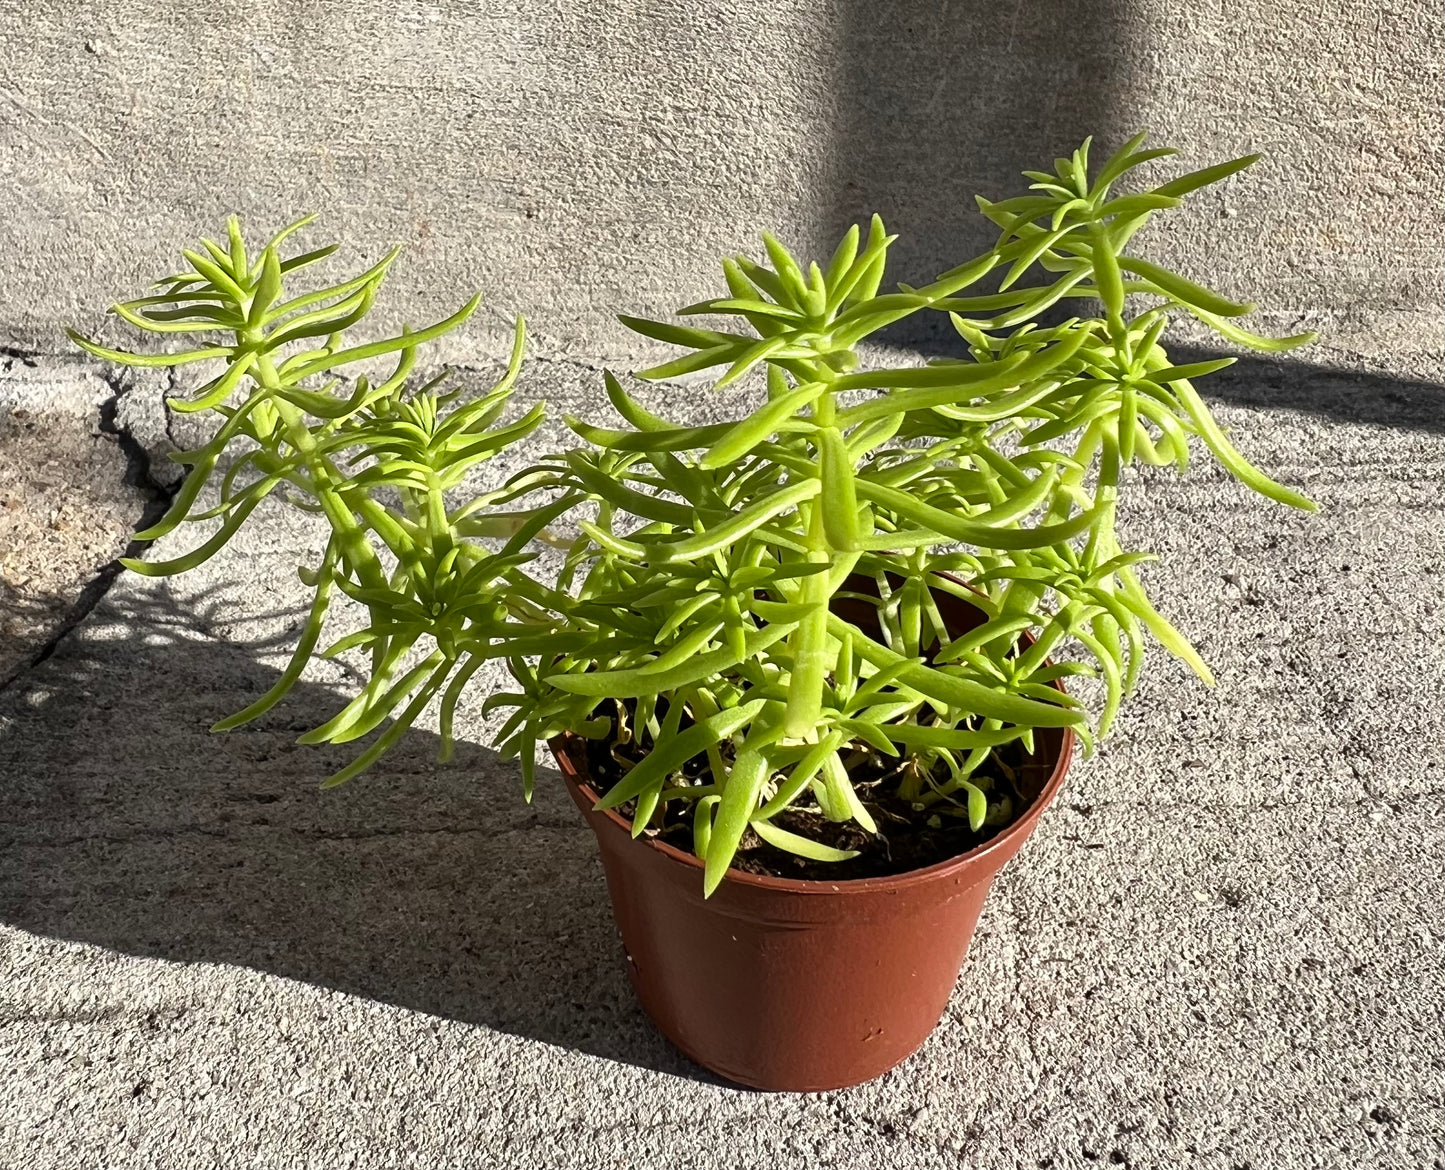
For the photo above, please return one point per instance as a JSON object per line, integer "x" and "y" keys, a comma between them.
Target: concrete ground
{"x": 1222, "y": 949}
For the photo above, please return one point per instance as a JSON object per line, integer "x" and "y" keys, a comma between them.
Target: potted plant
{"x": 803, "y": 672}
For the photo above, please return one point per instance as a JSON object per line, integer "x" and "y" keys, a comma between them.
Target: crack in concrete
{"x": 137, "y": 474}
{"x": 1391, "y": 800}
{"x": 95, "y": 1016}
{"x": 169, "y": 415}
{"x": 24, "y": 357}
{"x": 137, "y": 459}
{"x": 442, "y": 830}
{"x": 902, "y": 1126}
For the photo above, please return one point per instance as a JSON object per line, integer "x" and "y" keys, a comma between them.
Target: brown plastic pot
{"x": 785, "y": 984}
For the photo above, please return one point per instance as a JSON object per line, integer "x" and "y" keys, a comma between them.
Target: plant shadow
{"x": 1262, "y": 382}
{"x": 939, "y": 102}
{"x": 433, "y": 888}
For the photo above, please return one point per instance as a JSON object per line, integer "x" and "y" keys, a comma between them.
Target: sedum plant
{"x": 708, "y": 574}
{"x": 693, "y": 626}
{"x": 379, "y": 459}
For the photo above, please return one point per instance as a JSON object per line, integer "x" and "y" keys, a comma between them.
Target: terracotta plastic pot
{"x": 780, "y": 983}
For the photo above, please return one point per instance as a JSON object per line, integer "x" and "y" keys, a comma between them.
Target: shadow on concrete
{"x": 1286, "y": 383}
{"x": 436, "y": 889}
{"x": 939, "y": 102}
{"x": 1340, "y": 395}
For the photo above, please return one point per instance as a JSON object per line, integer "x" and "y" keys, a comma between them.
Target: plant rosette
{"x": 804, "y": 670}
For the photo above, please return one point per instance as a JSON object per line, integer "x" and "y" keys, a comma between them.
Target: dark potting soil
{"x": 905, "y": 840}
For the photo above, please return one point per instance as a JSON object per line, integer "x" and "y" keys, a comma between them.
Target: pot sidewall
{"x": 793, "y": 985}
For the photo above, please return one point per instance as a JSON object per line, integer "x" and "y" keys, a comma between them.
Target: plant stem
{"x": 438, "y": 527}
{"x": 808, "y": 644}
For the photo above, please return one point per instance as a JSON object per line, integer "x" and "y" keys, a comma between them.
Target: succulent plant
{"x": 694, "y": 617}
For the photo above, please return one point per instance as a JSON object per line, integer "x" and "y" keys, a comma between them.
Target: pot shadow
{"x": 433, "y": 888}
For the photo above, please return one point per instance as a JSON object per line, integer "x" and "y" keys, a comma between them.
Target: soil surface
{"x": 907, "y": 838}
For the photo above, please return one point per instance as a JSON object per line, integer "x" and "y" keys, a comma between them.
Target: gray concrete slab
{"x": 585, "y": 158}
{"x": 1220, "y": 950}
{"x": 72, "y": 490}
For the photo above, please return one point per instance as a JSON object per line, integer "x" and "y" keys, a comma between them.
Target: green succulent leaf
{"x": 798, "y": 845}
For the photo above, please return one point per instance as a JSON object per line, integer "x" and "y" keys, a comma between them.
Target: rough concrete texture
{"x": 1221, "y": 949}
{"x": 580, "y": 159}
{"x": 70, "y": 496}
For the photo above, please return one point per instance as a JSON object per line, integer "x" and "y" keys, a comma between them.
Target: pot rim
{"x": 1013, "y": 836}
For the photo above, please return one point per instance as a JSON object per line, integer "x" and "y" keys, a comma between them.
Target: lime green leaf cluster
{"x": 381, "y": 460}
{"x": 706, "y": 578}
{"x": 694, "y": 619}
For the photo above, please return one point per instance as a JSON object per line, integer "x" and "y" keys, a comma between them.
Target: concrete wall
{"x": 586, "y": 157}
